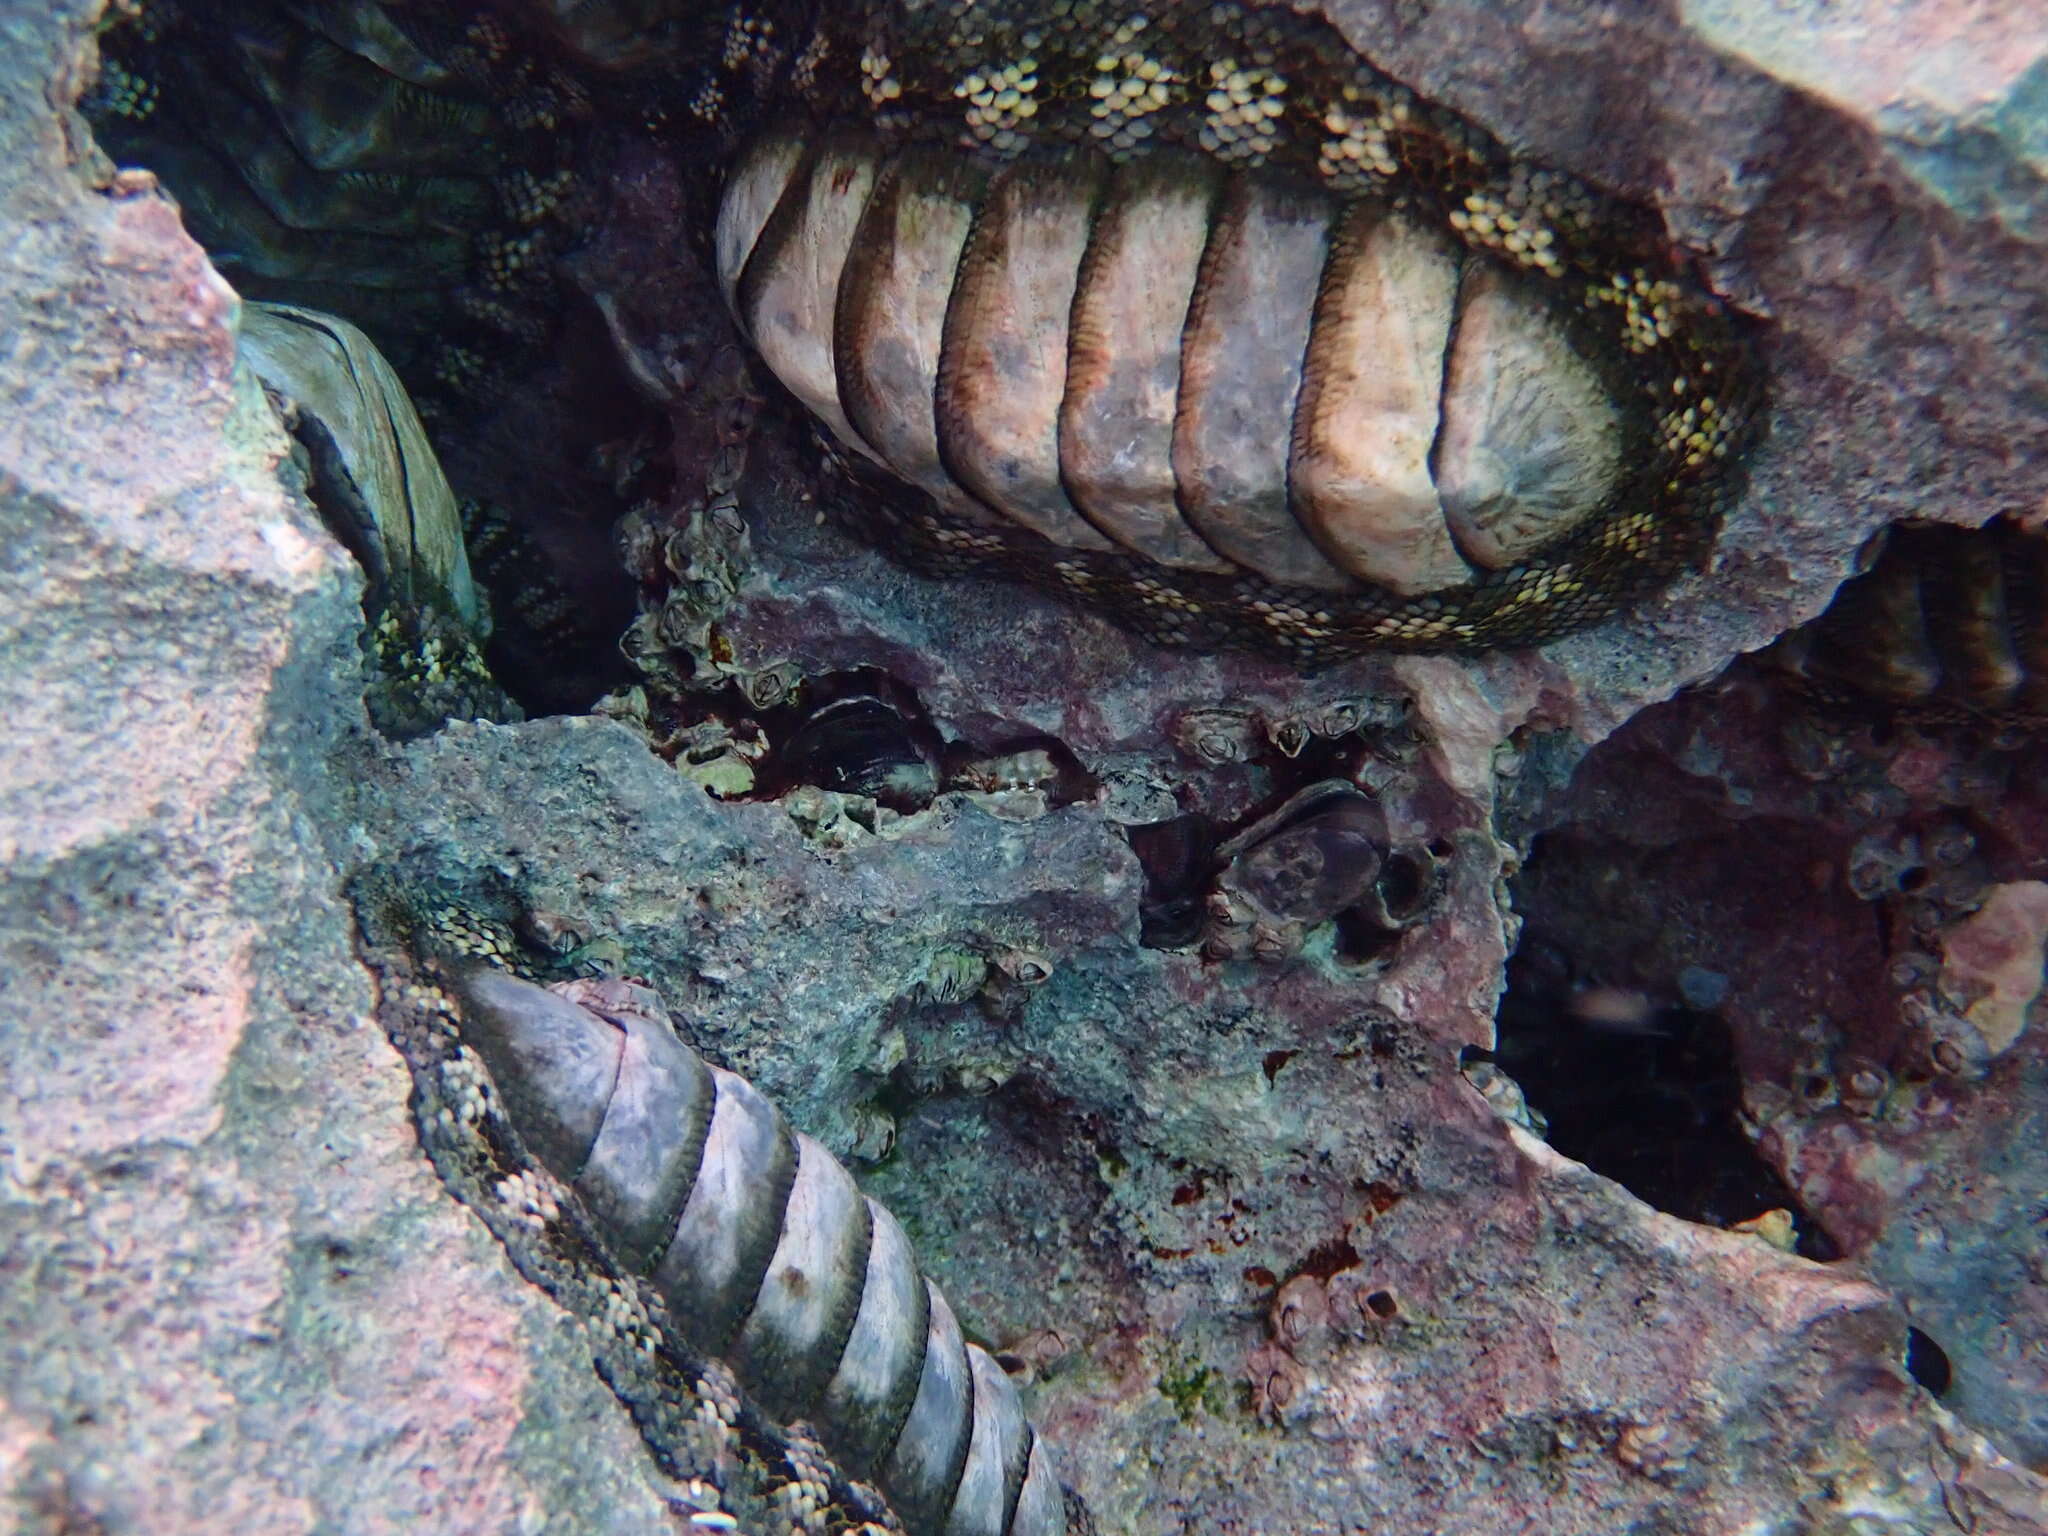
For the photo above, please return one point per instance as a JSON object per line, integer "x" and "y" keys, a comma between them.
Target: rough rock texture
{"x": 1889, "y": 1039}
{"x": 232, "y": 1294}
{"x": 1162, "y": 1141}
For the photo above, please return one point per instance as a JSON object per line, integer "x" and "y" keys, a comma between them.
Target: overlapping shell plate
{"x": 1195, "y": 316}
{"x": 1186, "y": 312}
{"x": 1947, "y": 625}
{"x": 780, "y": 1339}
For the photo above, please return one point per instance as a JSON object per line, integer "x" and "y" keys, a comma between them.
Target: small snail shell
{"x": 767, "y": 1252}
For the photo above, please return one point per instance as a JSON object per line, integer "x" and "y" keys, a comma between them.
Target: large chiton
{"x": 1196, "y": 316}
{"x": 1187, "y": 312}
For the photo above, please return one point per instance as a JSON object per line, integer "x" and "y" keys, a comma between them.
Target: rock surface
{"x": 1890, "y": 1039}
{"x": 233, "y": 1296}
{"x": 232, "y": 1293}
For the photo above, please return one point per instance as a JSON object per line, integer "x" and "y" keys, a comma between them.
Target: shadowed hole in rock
{"x": 860, "y": 732}
{"x": 452, "y": 246}
{"x": 1646, "y": 1093}
{"x": 1361, "y": 940}
{"x": 1176, "y": 856}
{"x": 1927, "y": 1362}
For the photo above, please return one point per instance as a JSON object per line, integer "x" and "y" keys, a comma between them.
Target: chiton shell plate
{"x": 1351, "y": 378}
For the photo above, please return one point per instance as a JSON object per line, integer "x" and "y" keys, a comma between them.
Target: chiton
{"x": 1194, "y": 315}
{"x": 1947, "y": 625}
{"x": 766, "y": 1251}
{"x": 1186, "y": 312}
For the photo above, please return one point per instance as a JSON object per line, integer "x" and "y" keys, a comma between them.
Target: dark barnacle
{"x": 1326, "y": 851}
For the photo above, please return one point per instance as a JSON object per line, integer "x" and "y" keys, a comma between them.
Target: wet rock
{"x": 1890, "y": 1051}
{"x": 232, "y": 1293}
{"x": 216, "y": 1217}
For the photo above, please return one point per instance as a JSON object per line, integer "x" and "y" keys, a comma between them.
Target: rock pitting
{"x": 233, "y": 1293}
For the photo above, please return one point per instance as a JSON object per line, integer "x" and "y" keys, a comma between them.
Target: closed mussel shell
{"x": 1312, "y": 858}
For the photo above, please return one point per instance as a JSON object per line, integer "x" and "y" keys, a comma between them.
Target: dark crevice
{"x": 442, "y": 222}
{"x": 859, "y": 732}
{"x": 1646, "y": 1093}
{"x": 1927, "y": 1363}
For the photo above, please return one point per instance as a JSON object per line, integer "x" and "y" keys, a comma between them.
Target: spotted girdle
{"x": 1097, "y": 101}
{"x": 1263, "y": 104}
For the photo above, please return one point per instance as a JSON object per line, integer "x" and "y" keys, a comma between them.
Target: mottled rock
{"x": 1991, "y": 962}
{"x": 233, "y": 1295}
{"x": 1894, "y": 1065}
